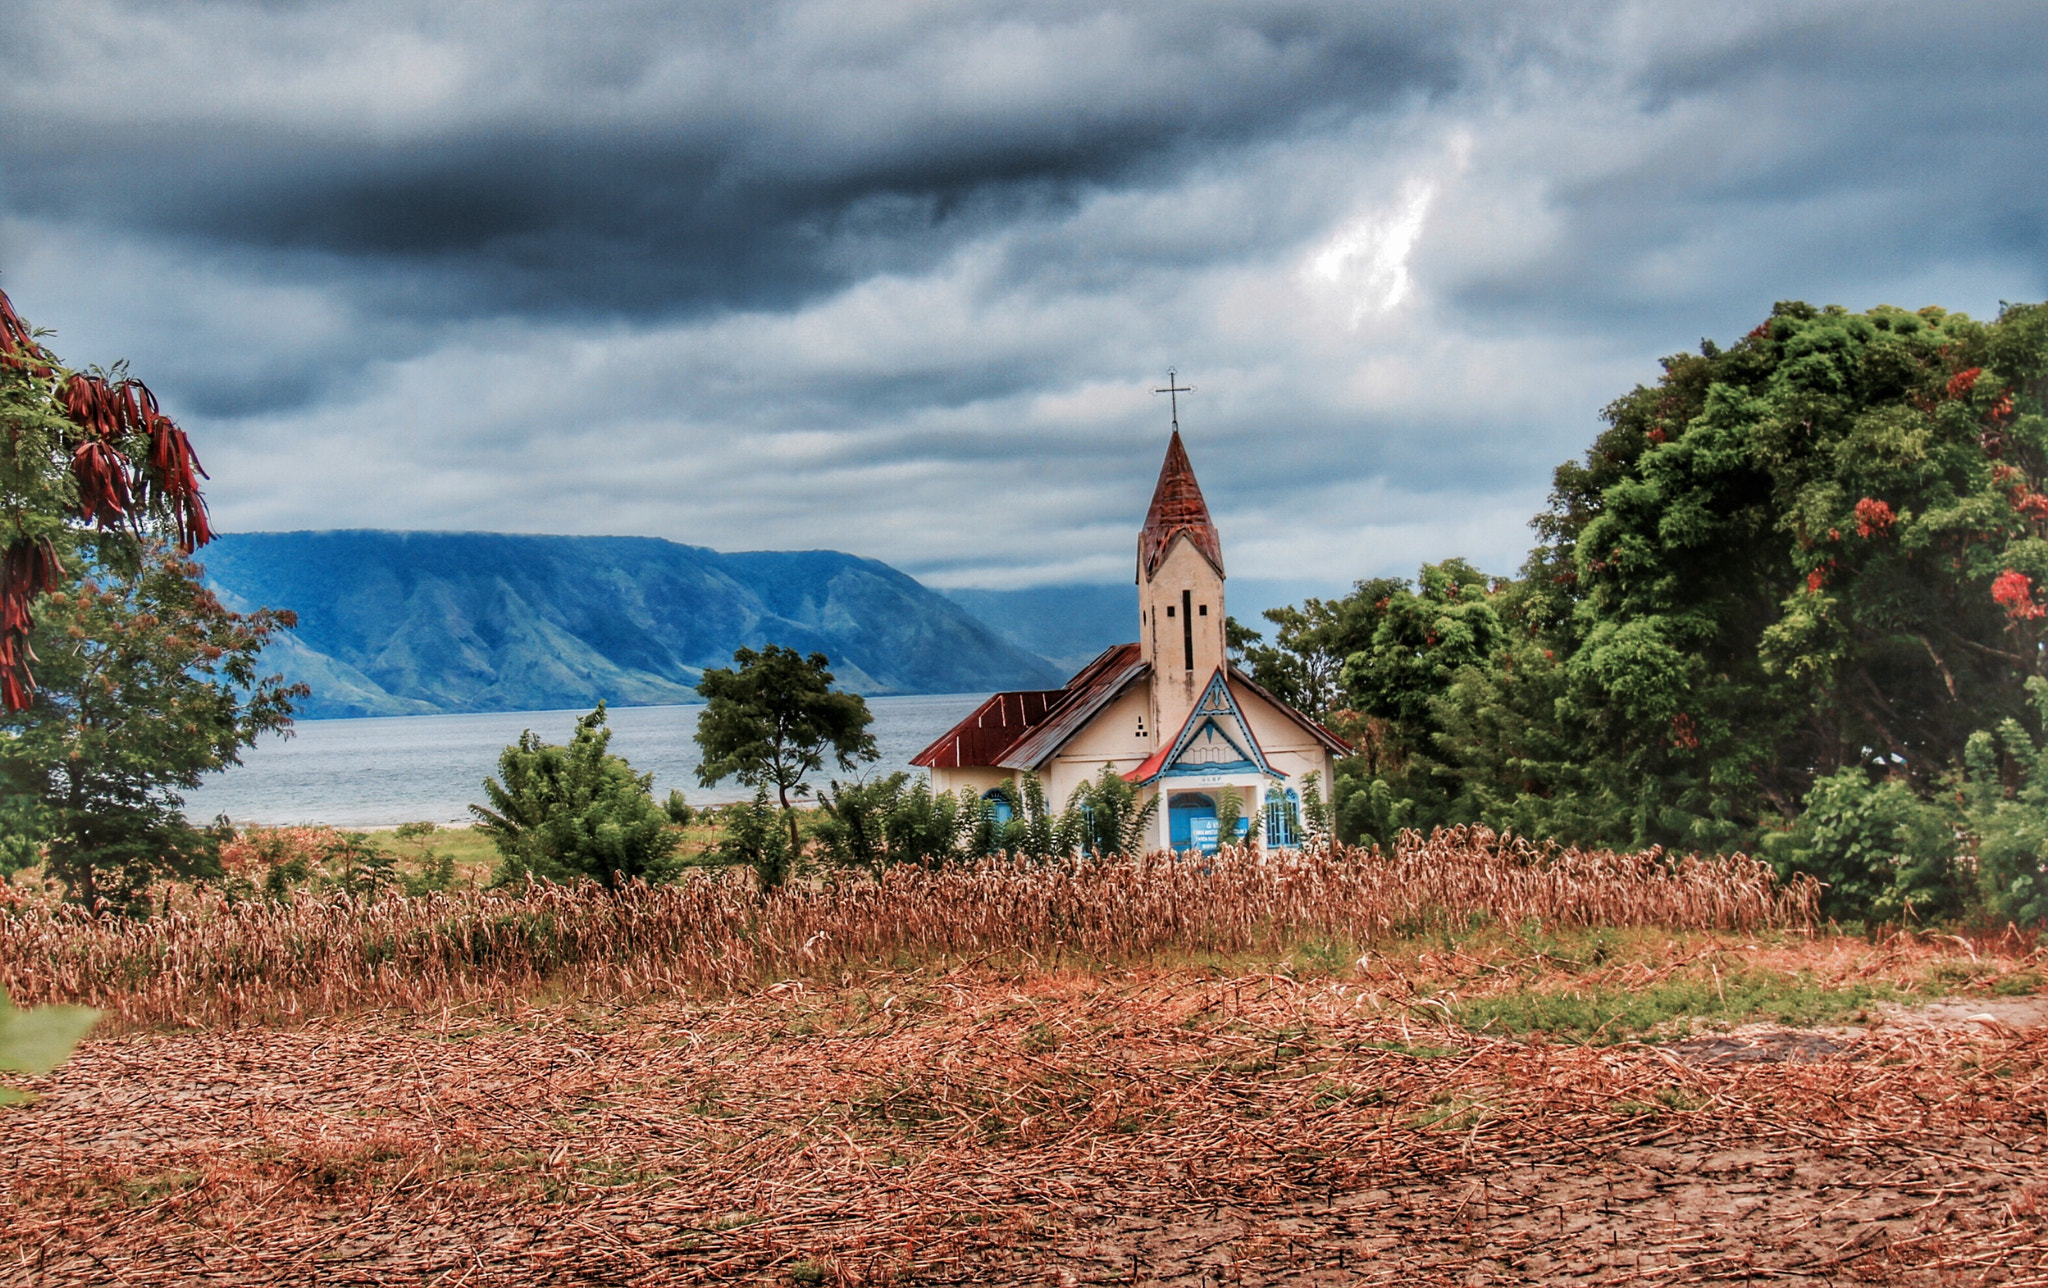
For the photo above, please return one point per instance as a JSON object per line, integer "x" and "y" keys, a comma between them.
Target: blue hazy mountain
{"x": 410, "y": 623}
{"x": 1066, "y": 625}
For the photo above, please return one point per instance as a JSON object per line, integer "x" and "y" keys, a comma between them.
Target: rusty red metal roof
{"x": 1018, "y": 730}
{"x": 1094, "y": 687}
{"x": 989, "y": 730}
{"x": 1177, "y": 508}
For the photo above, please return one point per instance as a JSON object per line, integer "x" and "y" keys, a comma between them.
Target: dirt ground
{"x": 1147, "y": 1128}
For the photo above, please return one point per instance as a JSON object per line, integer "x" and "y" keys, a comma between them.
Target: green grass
{"x": 1603, "y": 1015}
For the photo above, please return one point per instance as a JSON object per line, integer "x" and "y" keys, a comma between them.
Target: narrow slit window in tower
{"x": 1187, "y": 629}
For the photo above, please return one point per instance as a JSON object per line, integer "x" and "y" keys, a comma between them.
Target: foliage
{"x": 1233, "y": 826}
{"x": 1878, "y": 848}
{"x": 900, "y": 819}
{"x": 148, "y": 683}
{"x": 1038, "y": 831}
{"x": 575, "y": 811}
{"x": 755, "y": 837}
{"x": 770, "y": 719}
{"x": 2011, "y": 824}
{"x": 853, "y": 822}
{"x": 1804, "y": 573}
{"x": 89, "y": 466}
{"x": 1110, "y": 818}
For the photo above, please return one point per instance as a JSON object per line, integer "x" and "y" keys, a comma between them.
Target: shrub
{"x": 1882, "y": 852}
{"x": 575, "y": 811}
{"x": 2011, "y": 827}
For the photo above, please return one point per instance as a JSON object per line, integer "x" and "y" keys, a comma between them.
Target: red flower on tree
{"x": 1874, "y": 518}
{"x": 1685, "y": 735}
{"x": 132, "y": 473}
{"x": 2014, "y": 591}
{"x": 1961, "y": 383}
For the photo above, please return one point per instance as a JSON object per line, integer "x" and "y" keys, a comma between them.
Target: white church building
{"x": 1169, "y": 712}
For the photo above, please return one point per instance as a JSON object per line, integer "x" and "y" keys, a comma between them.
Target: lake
{"x": 377, "y": 773}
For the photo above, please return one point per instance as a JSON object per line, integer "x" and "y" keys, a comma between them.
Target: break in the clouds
{"x": 898, "y": 278}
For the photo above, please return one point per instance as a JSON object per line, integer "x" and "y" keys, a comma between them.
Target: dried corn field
{"x": 209, "y": 963}
{"x": 1027, "y": 1127}
{"x": 1032, "y": 1076}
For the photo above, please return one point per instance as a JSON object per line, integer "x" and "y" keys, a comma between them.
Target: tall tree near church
{"x": 147, "y": 681}
{"x": 771, "y": 719}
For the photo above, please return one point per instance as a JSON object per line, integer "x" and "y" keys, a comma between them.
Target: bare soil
{"x": 987, "y": 1127}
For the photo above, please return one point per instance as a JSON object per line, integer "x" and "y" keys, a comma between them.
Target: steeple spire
{"x": 1177, "y": 507}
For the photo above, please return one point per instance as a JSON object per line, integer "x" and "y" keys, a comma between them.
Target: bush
{"x": 575, "y": 811}
{"x": 2011, "y": 826}
{"x": 1882, "y": 852}
{"x": 754, "y": 836}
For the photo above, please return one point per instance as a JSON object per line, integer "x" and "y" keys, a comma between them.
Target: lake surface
{"x": 376, "y": 773}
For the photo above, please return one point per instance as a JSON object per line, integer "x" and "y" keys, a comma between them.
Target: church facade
{"x": 1168, "y": 712}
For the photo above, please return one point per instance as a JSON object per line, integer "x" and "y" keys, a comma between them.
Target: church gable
{"x": 1217, "y": 739}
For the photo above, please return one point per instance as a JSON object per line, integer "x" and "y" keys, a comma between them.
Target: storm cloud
{"x": 898, "y": 278}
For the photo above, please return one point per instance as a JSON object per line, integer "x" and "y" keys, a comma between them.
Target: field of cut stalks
{"x": 211, "y": 962}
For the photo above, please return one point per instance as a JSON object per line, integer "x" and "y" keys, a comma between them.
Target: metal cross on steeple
{"x": 1174, "y": 389}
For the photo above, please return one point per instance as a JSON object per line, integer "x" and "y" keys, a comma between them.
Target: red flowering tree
{"x": 146, "y": 681}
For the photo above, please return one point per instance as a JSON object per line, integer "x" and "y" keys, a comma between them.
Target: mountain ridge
{"x": 405, "y": 623}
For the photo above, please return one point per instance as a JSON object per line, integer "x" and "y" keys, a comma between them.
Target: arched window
{"x": 1283, "y": 819}
{"x": 999, "y": 807}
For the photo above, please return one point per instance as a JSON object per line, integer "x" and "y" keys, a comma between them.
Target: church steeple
{"x": 1180, "y": 592}
{"x": 1177, "y": 507}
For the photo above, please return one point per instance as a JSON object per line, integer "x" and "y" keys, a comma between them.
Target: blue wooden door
{"x": 1191, "y": 822}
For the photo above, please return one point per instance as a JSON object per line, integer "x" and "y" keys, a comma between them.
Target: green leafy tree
{"x": 1233, "y": 826}
{"x": 1110, "y": 819}
{"x": 1038, "y": 831}
{"x": 147, "y": 684}
{"x": 1879, "y": 849}
{"x": 1819, "y": 549}
{"x": 924, "y": 826}
{"x": 770, "y": 720}
{"x": 575, "y": 811}
{"x": 1304, "y": 666}
{"x": 754, "y": 837}
{"x": 853, "y": 822}
{"x": 1814, "y": 549}
{"x": 2010, "y": 822}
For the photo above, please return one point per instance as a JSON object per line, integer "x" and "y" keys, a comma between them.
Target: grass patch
{"x": 1602, "y": 1015}
{"x": 2021, "y": 983}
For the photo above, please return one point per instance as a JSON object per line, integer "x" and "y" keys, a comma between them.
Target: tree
{"x": 148, "y": 684}
{"x": 147, "y": 681}
{"x": 854, "y": 821}
{"x": 770, "y": 720}
{"x": 2010, "y": 823}
{"x": 576, "y": 811}
{"x": 89, "y": 463}
{"x": 1110, "y": 819}
{"x": 1820, "y": 549}
{"x": 753, "y": 838}
{"x": 1304, "y": 665}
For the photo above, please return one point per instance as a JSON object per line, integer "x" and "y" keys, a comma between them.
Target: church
{"x": 1169, "y": 712}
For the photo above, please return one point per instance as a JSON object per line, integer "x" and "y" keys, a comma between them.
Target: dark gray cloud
{"x": 896, "y": 279}
{"x": 693, "y": 163}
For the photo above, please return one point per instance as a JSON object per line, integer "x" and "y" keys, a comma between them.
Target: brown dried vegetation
{"x": 212, "y": 962}
{"x": 1034, "y": 1075}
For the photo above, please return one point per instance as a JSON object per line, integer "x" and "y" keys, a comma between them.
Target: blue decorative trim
{"x": 1218, "y": 710}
